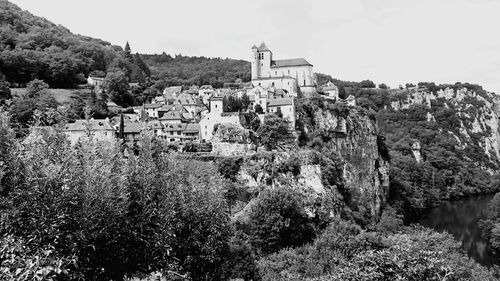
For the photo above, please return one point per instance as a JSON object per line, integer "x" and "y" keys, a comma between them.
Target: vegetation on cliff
{"x": 455, "y": 130}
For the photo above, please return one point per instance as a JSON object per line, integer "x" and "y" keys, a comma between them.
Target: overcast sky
{"x": 391, "y": 41}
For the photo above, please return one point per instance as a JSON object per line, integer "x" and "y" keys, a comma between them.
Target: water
{"x": 460, "y": 218}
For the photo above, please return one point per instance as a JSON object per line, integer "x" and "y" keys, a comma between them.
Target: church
{"x": 289, "y": 74}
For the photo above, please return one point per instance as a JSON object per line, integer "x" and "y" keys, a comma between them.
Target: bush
{"x": 278, "y": 220}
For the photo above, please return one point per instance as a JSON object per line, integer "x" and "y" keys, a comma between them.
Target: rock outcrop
{"x": 353, "y": 137}
{"x": 478, "y": 115}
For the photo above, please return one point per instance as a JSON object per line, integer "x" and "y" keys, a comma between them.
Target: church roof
{"x": 290, "y": 62}
{"x": 254, "y": 47}
{"x": 263, "y": 47}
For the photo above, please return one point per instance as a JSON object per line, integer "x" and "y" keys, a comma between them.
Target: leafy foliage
{"x": 278, "y": 220}
{"x": 345, "y": 252}
{"x": 116, "y": 216}
{"x": 185, "y": 70}
{"x": 274, "y": 132}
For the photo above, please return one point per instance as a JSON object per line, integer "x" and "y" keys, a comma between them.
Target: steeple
{"x": 263, "y": 47}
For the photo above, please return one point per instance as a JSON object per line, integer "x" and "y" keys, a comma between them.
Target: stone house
{"x": 98, "y": 129}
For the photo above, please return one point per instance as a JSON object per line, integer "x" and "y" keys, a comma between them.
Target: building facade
{"x": 284, "y": 74}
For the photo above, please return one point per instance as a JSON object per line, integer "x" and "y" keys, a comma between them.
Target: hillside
{"x": 33, "y": 47}
{"x": 443, "y": 140}
{"x": 185, "y": 70}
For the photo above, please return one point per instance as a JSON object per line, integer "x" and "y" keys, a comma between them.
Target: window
{"x": 215, "y": 106}
{"x": 275, "y": 73}
{"x": 289, "y": 72}
{"x": 179, "y": 133}
{"x": 272, "y": 84}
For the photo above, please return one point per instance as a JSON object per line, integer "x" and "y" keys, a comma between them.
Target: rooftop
{"x": 263, "y": 48}
{"x": 132, "y": 127}
{"x": 172, "y": 115}
{"x": 290, "y": 62}
{"x": 175, "y": 127}
{"x": 152, "y": 105}
{"x": 280, "y": 102}
{"x": 92, "y": 125}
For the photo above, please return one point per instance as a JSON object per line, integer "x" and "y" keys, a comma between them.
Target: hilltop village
{"x": 190, "y": 115}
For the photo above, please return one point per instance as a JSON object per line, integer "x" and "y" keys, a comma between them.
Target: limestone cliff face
{"x": 354, "y": 138}
{"x": 349, "y": 164}
{"x": 477, "y": 115}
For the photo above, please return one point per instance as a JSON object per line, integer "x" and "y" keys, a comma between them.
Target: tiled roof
{"x": 171, "y": 91}
{"x": 174, "y": 107}
{"x": 152, "y": 105}
{"x": 263, "y": 47}
{"x": 172, "y": 115}
{"x": 185, "y": 99}
{"x": 329, "y": 86}
{"x": 154, "y": 124}
{"x": 93, "y": 125}
{"x": 165, "y": 108}
{"x": 132, "y": 128}
{"x": 192, "y": 128}
{"x": 274, "y": 78}
{"x": 280, "y": 102}
{"x": 290, "y": 62}
{"x": 175, "y": 127}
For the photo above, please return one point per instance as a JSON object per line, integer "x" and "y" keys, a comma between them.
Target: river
{"x": 460, "y": 218}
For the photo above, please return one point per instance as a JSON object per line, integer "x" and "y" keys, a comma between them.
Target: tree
{"x": 143, "y": 66}
{"x": 278, "y": 220}
{"x": 259, "y": 109}
{"x": 366, "y": 84}
{"x": 36, "y": 88}
{"x": 383, "y": 86}
{"x": 5, "y": 93}
{"x": 117, "y": 87}
{"x": 274, "y": 131}
{"x": 128, "y": 53}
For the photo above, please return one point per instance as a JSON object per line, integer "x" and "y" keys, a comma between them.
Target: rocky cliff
{"x": 470, "y": 117}
{"x": 352, "y": 137}
{"x": 337, "y": 156}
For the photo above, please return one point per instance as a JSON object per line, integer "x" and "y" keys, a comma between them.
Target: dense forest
{"x": 186, "y": 70}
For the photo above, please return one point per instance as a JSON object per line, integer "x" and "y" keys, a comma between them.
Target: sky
{"x": 387, "y": 41}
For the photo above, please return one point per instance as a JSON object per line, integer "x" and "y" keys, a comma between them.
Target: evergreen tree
{"x": 140, "y": 63}
{"x": 128, "y": 52}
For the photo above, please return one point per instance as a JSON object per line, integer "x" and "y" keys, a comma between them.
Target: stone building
{"x": 284, "y": 74}
{"x": 216, "y": 116}
{"x": 100, "y": 130}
